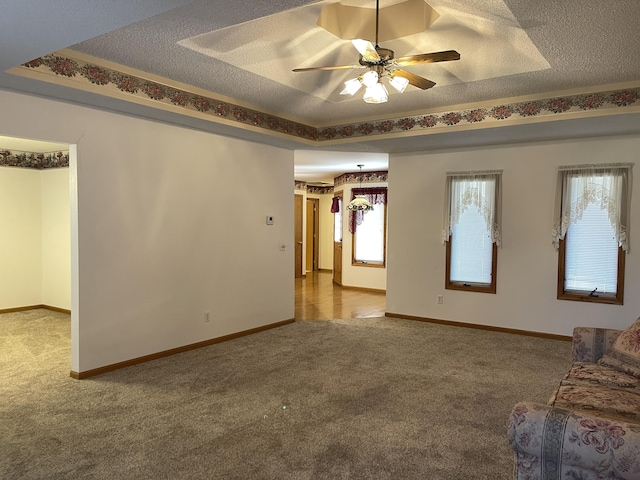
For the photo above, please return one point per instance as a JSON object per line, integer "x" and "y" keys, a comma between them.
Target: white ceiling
{"x": 245, "y": 51}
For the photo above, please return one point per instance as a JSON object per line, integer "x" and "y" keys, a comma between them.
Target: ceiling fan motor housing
{"x": 385, "y": 55}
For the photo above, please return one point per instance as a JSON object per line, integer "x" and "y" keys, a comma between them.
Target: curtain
{"x": 605, "y": 185}
{"x": 375, "y": 195}
{"x": 335, "y": 205}
{"x": 481, "y": 189}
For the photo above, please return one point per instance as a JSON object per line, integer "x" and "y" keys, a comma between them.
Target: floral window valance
{"x": 605, "y": 185}
{"x": 375, "y": 195}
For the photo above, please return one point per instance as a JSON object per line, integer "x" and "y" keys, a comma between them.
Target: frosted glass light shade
{"x": 370, "y": 78}
{"x": 376, "y": 94}
{"x": 399, "y": 83}
{"x": 351, "y": 86}
{"x": 360, "y": 203}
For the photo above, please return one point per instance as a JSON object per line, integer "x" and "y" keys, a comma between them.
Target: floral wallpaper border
{"x": 64, "y": 66}
{"x": 365, "y": 177}
{"x": 499, "y": 113}
{"x": 38, "y": 161}
{"x": 99, "y": 76}
{"x": 314, "y": 189}
{"x": 353, "y": 177}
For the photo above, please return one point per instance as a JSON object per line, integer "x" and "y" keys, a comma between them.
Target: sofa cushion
{"x": 600, "y": 390}
{"x": 624, "y": 354}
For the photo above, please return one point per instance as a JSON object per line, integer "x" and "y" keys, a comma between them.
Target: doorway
{"x": 297, "y": 234}
{"x": 337, "y": 239}
{"x": 39, "y": 267}
{"x": 313, "y": 234}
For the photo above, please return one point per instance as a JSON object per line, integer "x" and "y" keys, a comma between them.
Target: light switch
{"x": 269, "y": 220}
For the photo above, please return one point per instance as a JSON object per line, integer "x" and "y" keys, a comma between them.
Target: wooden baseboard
{"x": 551, "y": 336}
{"x": 173, "y": 351}
{"x": 34, "y": 307}
{"x": 364, "y": 289}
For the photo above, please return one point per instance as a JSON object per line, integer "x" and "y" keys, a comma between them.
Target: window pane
{"x": 369, "y": 237}
{"x": 471, "y": 249}
{"x": 337, "y": 223}
{"x": 591, "y": 259}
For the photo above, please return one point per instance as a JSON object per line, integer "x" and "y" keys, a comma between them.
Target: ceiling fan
{"x": 380, "y": 63}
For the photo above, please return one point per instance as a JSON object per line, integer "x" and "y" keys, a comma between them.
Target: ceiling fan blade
{"x": 415, "y": 80}
{"x": 366, "y": 49}
{"x": 335, "y": 67}
{"x": 445, "y": 56}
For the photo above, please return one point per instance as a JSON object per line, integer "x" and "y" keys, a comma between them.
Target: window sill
{"x": 471, "y": 287}
{"x": 368, "y": 264}
{"x": 584, "y": 297}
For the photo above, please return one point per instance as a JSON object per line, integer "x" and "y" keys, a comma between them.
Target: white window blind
{"x": 591, "y": 258}
{"x": 471, "y": 249}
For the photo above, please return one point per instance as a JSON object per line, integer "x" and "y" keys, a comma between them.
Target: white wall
{"x": 20, "y": 238}
{"x": 168, "y": 228}
{"x": 34, "y": 238}
{"x": 56, "y": 246}
{"x": 527, "y": 263}
{"x": 358, "y": 275}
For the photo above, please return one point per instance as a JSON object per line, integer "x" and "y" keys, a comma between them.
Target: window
{"x": 472, "y": 230}
{"x": 369, "y": 229}
{"x": 590, "y": 232}
{"x": 336, "y": 209}
{"x": 369, "y": 239}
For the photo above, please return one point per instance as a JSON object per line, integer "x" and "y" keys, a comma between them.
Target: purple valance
{"x": 375, "y": 195}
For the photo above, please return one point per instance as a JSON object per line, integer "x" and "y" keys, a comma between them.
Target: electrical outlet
{"x": 440, "y": 299}
{"x": 206, "y": 316}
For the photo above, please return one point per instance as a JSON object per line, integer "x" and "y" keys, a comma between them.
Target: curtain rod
{"x": 592, "y": 166}
{"x": 474, "y": 173}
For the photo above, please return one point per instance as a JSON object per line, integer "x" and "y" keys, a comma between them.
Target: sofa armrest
{"x": 589, "y": 343}
{"x": 556, "y": 443}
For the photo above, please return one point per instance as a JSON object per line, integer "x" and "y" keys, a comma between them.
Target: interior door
{"x": 313, "y": 223}
{"x": 337, "y": 241}
{"x": 297, "y": 233}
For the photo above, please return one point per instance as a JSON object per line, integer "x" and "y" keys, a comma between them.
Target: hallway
{"x": 317, "y": 298}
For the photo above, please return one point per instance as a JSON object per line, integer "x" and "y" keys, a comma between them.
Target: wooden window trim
{"x": 617, "y": 299}
{"x": 472, "y": 287}
{"x": 360, "y": 263}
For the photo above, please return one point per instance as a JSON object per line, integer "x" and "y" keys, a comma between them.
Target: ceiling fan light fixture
{"x": 352, "y": 86}
{"x": 376, "y": 94}
{"x": 399, "y": 83}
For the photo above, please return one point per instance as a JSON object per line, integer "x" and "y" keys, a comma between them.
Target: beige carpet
{"x": 375, "y": 398}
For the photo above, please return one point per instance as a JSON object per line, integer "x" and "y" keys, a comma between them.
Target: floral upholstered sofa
{"x": 590, "y": 428}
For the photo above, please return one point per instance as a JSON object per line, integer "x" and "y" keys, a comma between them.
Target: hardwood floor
{"x": 318, "y": 298}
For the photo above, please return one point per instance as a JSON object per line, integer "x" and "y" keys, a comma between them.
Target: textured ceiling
{"x": 245, "y": 51}
{"x": 295, "y": 41}
{"x": 583, "y": 43}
